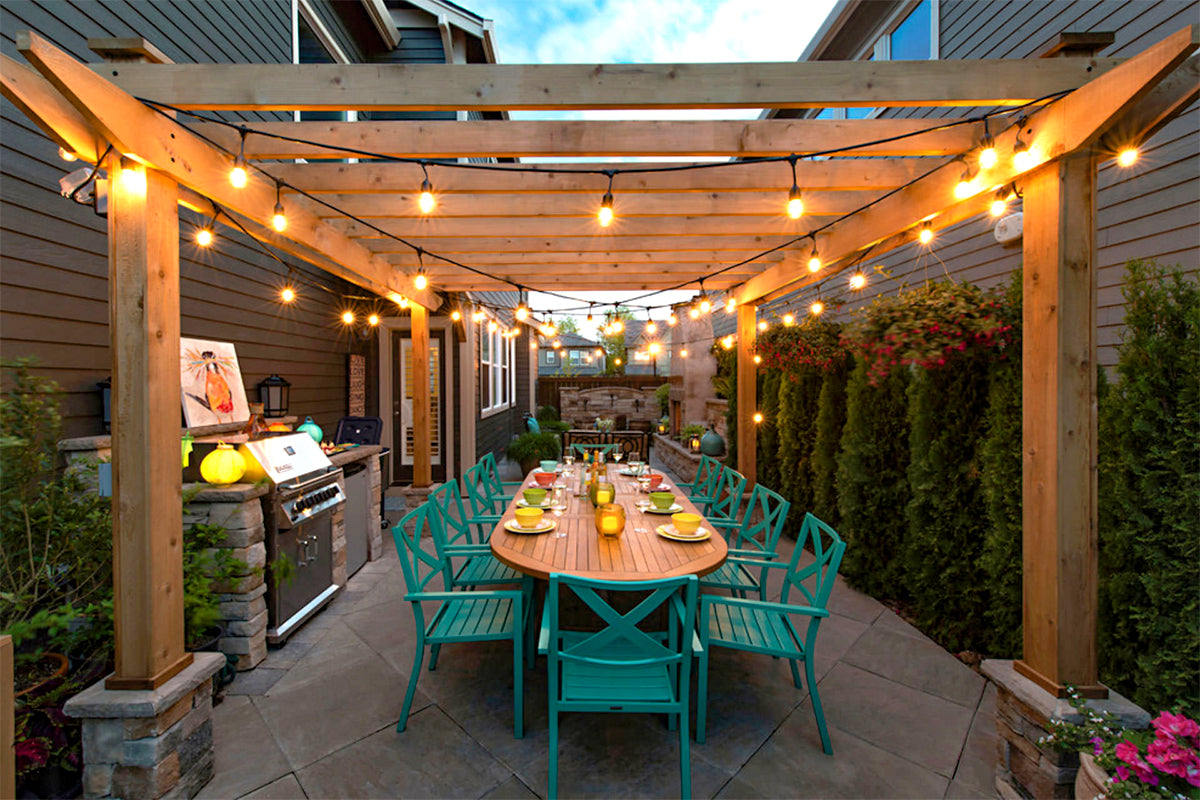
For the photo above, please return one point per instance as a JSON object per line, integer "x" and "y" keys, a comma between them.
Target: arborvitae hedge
{"x": 1151, "y": 501}
{"x": 872, "y": 482}
{"x": 947, "y": 518}
{"x": 797, "y": 432}
{"x": 831, "y": 419}
{"x": 767, "y": 457}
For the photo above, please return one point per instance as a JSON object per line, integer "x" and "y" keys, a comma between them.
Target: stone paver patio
{"x": 317, "y": 718}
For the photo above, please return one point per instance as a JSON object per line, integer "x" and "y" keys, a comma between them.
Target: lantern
{"x": 223, "y": 465}
{"x": 694, "y": 444}
{"x": 105, "y": 387}
{"x": 273, "y": 394}
{"x": 610, "y": 520}
{"x": 312, "y": 429}
{"x": 662, "y": 427}
{"x": 601, "y": 493}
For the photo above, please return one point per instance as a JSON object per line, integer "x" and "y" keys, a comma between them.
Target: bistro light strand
{"x": 605, "y": 215}
{"x": 426, "y": 200}
{"x": 795, "y": 203}
{"x": 278, "y": 217}
{"x": 237, "y": 175}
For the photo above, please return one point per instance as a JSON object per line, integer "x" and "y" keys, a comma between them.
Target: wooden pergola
{"x": 536, "y": 228}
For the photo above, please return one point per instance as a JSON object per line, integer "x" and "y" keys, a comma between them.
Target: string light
{"x": 605, "y": 215}
{"x": 66, "y": 155}
{"x": 278, "y": 218}
{"x": 858, "y": 281}
{"x": 548, "y": 330}
{"x": 999, "y": 203}
{"x": 795, "y": 204}
{"x": 599, "y": 353}
{"x": 655, "y": 348}
{"x": 421, "y": 281}
{"x": 789, "y": 319}
{"x": 478, "y": 316}
{"x": 237, "y": 175}
{"x": 758, "y": 417}
{"x": 617, "y": 325}
{"x": 683, "y": 353}
{"x": 727, "y": 342}
{"x": 205, "y": 236}
{"x": 522, "y": 312}
{"x": 757, "y": 358}
{"x": 1127, "y": 157}
{"x": 694, "y": 312}
{"x": 1022, "y": 154}
{"x": 817, "y": 308}
{"x": 926, "y": 234}
{"x": 589, "y": 316}
{"x": 814, "y": 259}
{"x": 288, "y": 294}
{"x": 426, "y": 200}
{"x": 373, "y": 320}
{"x": 133, "y": 178}
{"x": 348, "y": 317}
{"x": 966, "y": 185}
{"x": 456, "y": 315}
{"x": 730, "y": 306}
{"x": 617, "y": 361}
{"x": 493, "y": 326}
{"x": 987, "y": 155}
{"x": 762, "y": 326}
{"x": 672, "y": 319}
{"x": 651, "y": 326}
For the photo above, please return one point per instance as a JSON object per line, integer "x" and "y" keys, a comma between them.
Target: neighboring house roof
{"x": 574, "y": 340}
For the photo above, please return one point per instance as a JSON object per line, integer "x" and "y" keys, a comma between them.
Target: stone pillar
{"x": 148, "y": 743}
{"x": 1025, "y": 767}
{"x": 374, "y": 528}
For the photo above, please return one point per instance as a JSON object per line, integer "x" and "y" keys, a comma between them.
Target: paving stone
{"x": 920, "y": 727}
{"x": 511, "y": 789}
{"x": 918, "y": 663}
{"x": 891, "y": 621}
{"x": 337, "y": 646}
{"x": 854, "y": 604}
{"x": 958, "y": 790}
{"x": 246, "y": 754}
{"x": 977, "y": 765}
{"x": 256, "y": 681}
{"x": 285, "y": 788}
{"x": 287, "y": 656}
{"x": 432, "y": 758}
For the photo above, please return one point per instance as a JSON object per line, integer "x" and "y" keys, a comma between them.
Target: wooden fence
{"x": 548, "y": 388}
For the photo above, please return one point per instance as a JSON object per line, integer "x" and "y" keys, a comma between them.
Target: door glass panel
{"x": 435, "y": 401}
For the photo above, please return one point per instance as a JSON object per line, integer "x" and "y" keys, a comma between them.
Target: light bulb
{"x": 288, "y": 294}
{"x": 683, "y": 353}
{"x": 694, "y": 312}
{"x": 964, "y": 189}
{"x": 421, "y": 281}
{"x": 348, "y": 317}
{"x": 66, "y": 155}
{"x": 478, "y": 316}
{"x": 651, "y": 327}
{"x": 926, "y": 235}
{"x": 456, "y": 315}
{"x": 605, "y": 214}
{"x": 587, "y": 359}
{"x": 493, "y": 326}
{"x": 589, "y": 316}
{"x": 795, "y": 204}
{"x": 655, "y": 348}
{"x": 1127, "y": 157}
{"x": 727, "y": 342}
{"x": 730, "y": 306}
{"x": 373, "y": 320}
{"x": 617, "y": 361}
{"x": 204, "y": 237}
{"x": 237, "y": 176}
{"x": 988, "y": 157}
{"x": 789, "y": 320}
{"x": 999, "y": 205}
{"x": 599, "y": 352}
{"x": 762, "y": 326}
{"x": 618, "y": 326}
{"x": 705, "y": 305}
{"x": 757, "y": 359}
{"x": 279, "y": 219}
{"x": 403, "y": 302}
{"x": 132, "y": 177}
{"x": 425, "y": 200}
{"x": 758, "y": 417}
{"x": 672, "y": 319}
{"x": 817, "y": 308}
{"x": 522, "y": 312}
{"x": 533, "y": 345}
{"x": 858, "y": 281}
{"x": 814, "y": 262}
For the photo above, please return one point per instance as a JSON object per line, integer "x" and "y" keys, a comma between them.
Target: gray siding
{"x": 53, "y": 253}
{"x": 1150, "y": 211}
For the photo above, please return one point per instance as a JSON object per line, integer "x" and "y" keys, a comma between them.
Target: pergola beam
{"x": 500, "y": 87}
{"x": 545, "y": 227}
{"x": 555, "y": 138}
{"x": 735, "y": 247}
{"x": 161, "y": 143}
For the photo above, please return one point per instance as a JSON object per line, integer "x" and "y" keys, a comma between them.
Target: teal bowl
{"x": 548, "y": 466}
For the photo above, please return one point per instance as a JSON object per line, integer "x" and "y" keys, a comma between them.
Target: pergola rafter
{"x": 528, "y": 227}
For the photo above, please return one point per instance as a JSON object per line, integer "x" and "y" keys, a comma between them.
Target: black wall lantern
{"x": 105, "y": 387}
{"x": 273, "y": 394}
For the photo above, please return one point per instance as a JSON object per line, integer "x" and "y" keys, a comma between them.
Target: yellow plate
{"x": 545, "y": 503}
{"x": 669, "y": 532}
{"x": 512, "y": 526}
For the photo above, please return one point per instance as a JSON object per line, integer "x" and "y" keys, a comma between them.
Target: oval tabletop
{"x": 639, "y": 554}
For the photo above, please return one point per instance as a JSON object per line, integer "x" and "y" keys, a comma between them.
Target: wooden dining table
{"x": 638, "y": 554}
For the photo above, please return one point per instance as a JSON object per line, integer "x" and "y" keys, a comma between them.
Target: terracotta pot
{"x": 59, "y": 672}
{"x": 1090, "y": 780}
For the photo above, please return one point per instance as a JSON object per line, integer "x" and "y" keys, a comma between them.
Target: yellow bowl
{"x": 530, "y": 518}
{"x": 686, "y": 523}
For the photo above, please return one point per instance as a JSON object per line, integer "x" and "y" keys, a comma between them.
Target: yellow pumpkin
{"x": 223, "y": 465}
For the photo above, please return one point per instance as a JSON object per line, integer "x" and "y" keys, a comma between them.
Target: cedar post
{"x": 422, "y": 436}
{"x": 747, "y": 394}
{"x": 143, "y": 258}
{"x": 1059, "y": 427}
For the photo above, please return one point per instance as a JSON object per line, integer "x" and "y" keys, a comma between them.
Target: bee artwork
{"x": 213, "y": 393}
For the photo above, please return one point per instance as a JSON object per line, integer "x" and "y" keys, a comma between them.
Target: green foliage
{"x": 530, "y": 448}
{"x": 547, "y": 414}
{"x": 208, "y": 568}
{"x": 690, "y": 430}
{"x": 566, "y": 325}
{"x": 1000, "y": 458}
{"x": 947, "y": 517}
{"x": 767, "y": 461}
{"x": 798, "y": 397}
{"x": 663, "y": 395}
{"x": 872, "y": 482}
{"x": 614, "y": 343}
{"x": 725, "y": 385}
{"x": 831, "y": 419}
{"x": 1150, "y": 506}
{"x": 815, "y": 342}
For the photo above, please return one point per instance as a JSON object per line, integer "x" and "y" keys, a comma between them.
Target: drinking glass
{"x": 558, "y": 505}
{"x": 616, "y": 456}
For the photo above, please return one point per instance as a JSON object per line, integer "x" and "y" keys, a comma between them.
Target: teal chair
{"x": 479, "y": 567}
{"x": 584, "y": 449}
{"x": 496, "y": 487}
{"x": 769, "y": 628}
{"x": 701, "y": 489}
{"x": 460, "y": 616}
{"x": 486, "y": 511}
{"x": 752, "y": 541}
{"x": 722, "y": 507}
{"x": 621, "y": 668}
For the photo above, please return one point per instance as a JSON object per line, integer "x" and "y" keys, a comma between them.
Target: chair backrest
{"x": 491, "y": 475}
{"x": 620, "y": 643}
{"x": 814, "y": 580}
{"x": 447, "y": 500}
{"x": 584, "y": 449}
{"x": 707, "y": 475}
{"x": 762, "y": 533}
{"x": 475, "y": 479}
{"x": 727, "y": 494}
{"x": 418, "y": 565}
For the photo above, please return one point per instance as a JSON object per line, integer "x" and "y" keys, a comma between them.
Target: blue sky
{"x": 647, "y": 31}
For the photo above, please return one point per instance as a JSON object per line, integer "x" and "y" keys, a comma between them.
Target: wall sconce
{"x": 273, "y": 393}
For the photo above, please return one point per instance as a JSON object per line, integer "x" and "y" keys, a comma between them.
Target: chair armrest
{"x": 544, "y": 632}
{"x": 468, "y": 550}
{"x": 726, "y": 523}
{"x": 478, "y": 518}
{"x": 697, "y": 646}
{"x": 496, "y": 594}
{"x": 511, "y": 483}
{"x": 710, "y": 599}
{"x": 765, "y": 555}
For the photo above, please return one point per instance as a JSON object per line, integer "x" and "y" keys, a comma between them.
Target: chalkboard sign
{"x": 356, "y": 386}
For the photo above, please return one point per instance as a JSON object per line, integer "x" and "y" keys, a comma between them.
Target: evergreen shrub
{"x": 831, "y": 419}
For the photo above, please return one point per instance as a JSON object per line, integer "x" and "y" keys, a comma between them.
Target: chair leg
{"x": 412, "y": 685}
{"x": 702, "y": 697}
{"x": 816, "y": 704}
{"x": 796, "y": 673}
{"x": 685, "y": 759}
{"x": 552, "y": 785}
{"x": 518, "y": 687}
{"x": 434, "y": 651}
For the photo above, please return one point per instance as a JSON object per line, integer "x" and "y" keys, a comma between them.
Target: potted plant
{"x": 1162, "y": 761}
{"x": 530, "y": 448}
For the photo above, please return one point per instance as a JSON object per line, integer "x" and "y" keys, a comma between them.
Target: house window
{"x": 551, "y": 358}
{"x": 497, "y": 379}
{"x": 576, "y": 358}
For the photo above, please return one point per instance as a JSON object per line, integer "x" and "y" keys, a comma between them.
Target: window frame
{"x": 497, "y": 393}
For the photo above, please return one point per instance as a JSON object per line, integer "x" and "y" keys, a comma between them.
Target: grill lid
{"x": 284, "y": 458}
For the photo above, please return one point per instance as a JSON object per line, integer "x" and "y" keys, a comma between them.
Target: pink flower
{"x": 1097, "y": 745}
{"x": 1174, "y": 725}
{"x": 1128, "y": 752}
{"x": 1169, "y": 757}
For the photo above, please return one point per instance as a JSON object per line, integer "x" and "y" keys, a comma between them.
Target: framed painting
{"x": 213, "y": 393}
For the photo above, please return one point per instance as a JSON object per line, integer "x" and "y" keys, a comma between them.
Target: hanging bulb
{"x": 817, "y": 308}
{"x": 672, "y": 319}
{"x": 694, "y": 312}
{"x": 478, "y": 316}
{"x": 789, "y": 319}
{"x": 705, "y": 305}
{"x": 926, "y": 234}
{"x": 348, "y": 317}
{"x": 522, "y": 312}
{"x": 683, "y": 353}
{"x": 278, "y": 218}
{"x": 966, "y": 185}
{"x": 617, "y": 361}
{"x": 727, "y": 342}
{"x": 795, "y": 203}
{"x": 421, "y": 281}
{"x": 858, "y": 281}
{"x": 599, "y": 352}
{"x": 651, "y": 327}
{"x": 757, "y": 358}
{"x": 758, "y": 417}
{"x": 999, "y": 203}
{"x": 373, "y": 320}
{"x": 425, "y": 200}
{"x": 204, "y": 237}
{"x": 618, "y": 326}
{"x": 1127, "y": 157}
{"x": 288, "y": 294}
{"x": 987, "y": 155}
{"x": 730, "y": 306}
{"x": 814, "y": 261}
{"x": 237, "y": 175}
{"x": 1022, "y": 156}
{"x": 456, "y": 315}
{"x": 762, "y": 326}
{"x": 605, "y": 214}
{"x": 66, "y": 155}
{"x": 589, "y": 316}
{"x": 655, "y": 348}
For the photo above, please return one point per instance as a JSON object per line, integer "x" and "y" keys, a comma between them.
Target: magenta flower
{"x": 1176, "y": 725}
{"x": 1167, "y": 756}
{"x": 1097, "y": 745}
{"x": 1127, "y": 751}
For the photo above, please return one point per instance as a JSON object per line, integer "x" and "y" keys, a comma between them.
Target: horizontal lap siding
{"x": 1151, "y": 211}
{"x": 53, "y": 253}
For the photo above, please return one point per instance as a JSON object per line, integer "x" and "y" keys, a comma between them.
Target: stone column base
{"x": 149, "y": 744}
{"x": 1026, "y": 768}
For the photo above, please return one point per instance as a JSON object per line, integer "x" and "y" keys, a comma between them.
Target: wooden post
{"x": 8, "y": 766}
{"x": 143, "y": 258}
{"x": 747, "y": 394}
{"x": 1059, "y": 427}
{"x": 422, "y": 431}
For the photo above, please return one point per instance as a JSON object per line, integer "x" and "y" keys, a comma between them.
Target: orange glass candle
{"x": 610, "y": 520}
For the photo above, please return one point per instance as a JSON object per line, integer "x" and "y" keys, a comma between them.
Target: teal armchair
{"x": 752, "y": 542}
{"x": 477, "y": 566}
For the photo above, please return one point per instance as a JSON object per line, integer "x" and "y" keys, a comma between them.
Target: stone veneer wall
{"x": 676, "y": 458}
{"x": 714, "y": 416}
{"x": 581, "y": 407}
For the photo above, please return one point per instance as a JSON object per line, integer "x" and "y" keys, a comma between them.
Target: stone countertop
{"x": 201, "y": 434}
{"x": 229, "y": 493}
{"x": 360, "y": 453}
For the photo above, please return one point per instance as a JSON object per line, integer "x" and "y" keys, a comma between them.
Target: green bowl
{"x": 534, "y": 497}
{"x": 662, "y": 500}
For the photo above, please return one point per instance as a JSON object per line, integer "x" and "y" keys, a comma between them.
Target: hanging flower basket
{"x": 813, "y": 343}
